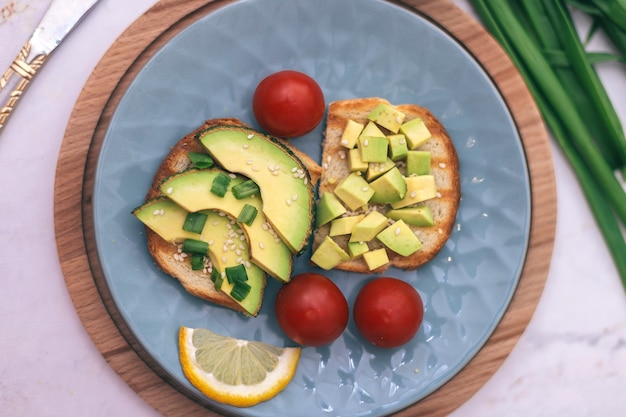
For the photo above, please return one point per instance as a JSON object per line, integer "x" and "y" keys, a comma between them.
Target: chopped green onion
{"x": 216, "y": 277}
{"x": 194, "y": 222}
{"x": 201, "y": 160}
{"x": 247, "y": 214}
{"x": 236, "y": 274}
{"x": 197, "y": 262}
{"x": 220, "y": 184}
{"x": 240, "y": 290}
{"x": 195, "y": 247}
{"x": 245, "y": 189}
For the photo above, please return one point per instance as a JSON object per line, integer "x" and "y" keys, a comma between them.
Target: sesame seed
{"x": 170, "y": 190}
{"x": 294, "y": 197}
{"x": 397, "y": 231}
{"x": 399, "y": 119}
{"x": 344, "y": 142}
{"x": 366, "y": 142}
{"x": 413, "y": 194}
{"x": 438, "y": 194}
{"x": 211, "y": 242}
{"x": 288, "y": 202}
{"x": 365, "y": 189}
{"x": 245, "y": 146}
{"x": 224, "y": 259}
{"x": 442, "y": 165}
{"x": 249, "y": 162}
{"x": 255, "y": 169}
{"x": 261, "y": 245}
{"x": 342, "y": 155}
{"x": 156, "y": 212}
{"x": 250, "y": 136}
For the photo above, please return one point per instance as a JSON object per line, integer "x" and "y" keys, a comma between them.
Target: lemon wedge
{"x": 233, "y": 371}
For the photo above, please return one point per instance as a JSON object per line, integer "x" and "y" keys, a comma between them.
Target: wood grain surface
{"x": 74, "y": 181}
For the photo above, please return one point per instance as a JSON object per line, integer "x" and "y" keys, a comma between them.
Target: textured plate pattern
{"x": 354, "y": 48}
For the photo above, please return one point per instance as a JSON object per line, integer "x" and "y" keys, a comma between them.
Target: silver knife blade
{"x": 60, "y": 18}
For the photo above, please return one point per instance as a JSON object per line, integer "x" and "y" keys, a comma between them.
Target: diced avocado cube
{"x": 376, "y": 258}
{"x": 398, "y": 147}
{"x": 417, "y": 163}
{"x": 351, "y": 134}
{"x": 329, "y": 254}
{"x": 356, "y": 163}
{"x": 371, "y": 129}
{"x": 344, "y": 225}
{"x": 420, "y": 216}
{"x": 328, "y": 208}
{"x": 356, "y": 249}
{"x": 376, "y": 169}
{"x": 387, "y": 117}
{"x": 416, "y": 132}
{"x": 418, "y": 188}
{"x": 354, "y": 191}
{"x": 373, "y": 148}
{"x": 389, "y": 187}
{"x": 400, "y": 238}
{"x": 367, "y": 229}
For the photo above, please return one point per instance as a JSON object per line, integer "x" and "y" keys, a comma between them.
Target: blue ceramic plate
{"x": 353, "y": 48}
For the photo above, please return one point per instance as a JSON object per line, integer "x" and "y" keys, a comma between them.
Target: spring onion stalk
{"x": 579, "y": 78}
{"x": 593, "y": 174}
{"x": 613, "y": 30}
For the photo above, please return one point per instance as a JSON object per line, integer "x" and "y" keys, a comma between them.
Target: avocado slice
{"x": 284, "y": 181}
{"x": 191, "y": 190}
{"x": 166, "y": 218}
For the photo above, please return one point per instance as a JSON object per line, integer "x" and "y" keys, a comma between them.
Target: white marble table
{"x": 571, "y": 360}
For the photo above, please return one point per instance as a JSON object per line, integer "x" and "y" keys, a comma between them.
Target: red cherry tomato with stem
{"x": 288, "y": 104}
{"x": 311, "y": 309}
{"x": 388, "y": 312}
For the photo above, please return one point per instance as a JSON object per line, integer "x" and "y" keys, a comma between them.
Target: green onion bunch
{"x": 542, "y": 41}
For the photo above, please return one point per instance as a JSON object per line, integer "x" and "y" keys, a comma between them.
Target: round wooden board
{"x": 74, "y": 181}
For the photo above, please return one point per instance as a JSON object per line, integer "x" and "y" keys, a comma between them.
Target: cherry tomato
{"x": 311, "y": 309}
{"x": 388, "y": 312}
{"x": 288, "y": 104}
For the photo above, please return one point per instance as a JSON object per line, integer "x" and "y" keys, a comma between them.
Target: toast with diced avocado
{"x": 389, "y": 190}
{"x": 223, "y": 234}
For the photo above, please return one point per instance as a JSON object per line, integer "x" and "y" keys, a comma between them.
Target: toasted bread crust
{"x": 177, "y": 160}
{"x": 444, "y": 166}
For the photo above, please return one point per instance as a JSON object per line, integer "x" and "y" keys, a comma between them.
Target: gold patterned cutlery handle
{"x": 25, "y": 67}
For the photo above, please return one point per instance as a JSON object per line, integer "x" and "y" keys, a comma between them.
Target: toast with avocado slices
{"x": 389, "y": 190}
{"x": 223, "y": 235}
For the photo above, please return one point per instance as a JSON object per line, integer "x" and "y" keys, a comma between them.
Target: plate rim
{"x": 437, "y": 14}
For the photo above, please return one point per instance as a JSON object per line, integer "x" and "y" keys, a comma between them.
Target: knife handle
{"x": 25, "y": 68}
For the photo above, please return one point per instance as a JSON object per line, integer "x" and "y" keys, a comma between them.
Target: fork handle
{"x": 25, "y": 67}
